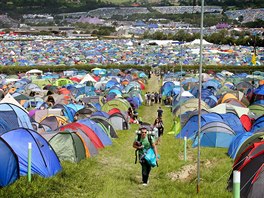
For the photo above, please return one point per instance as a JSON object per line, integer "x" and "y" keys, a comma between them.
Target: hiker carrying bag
{"x": 150, "y": 157}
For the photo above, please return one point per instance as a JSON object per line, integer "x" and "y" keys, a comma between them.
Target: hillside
{"x": 58, "y": 6}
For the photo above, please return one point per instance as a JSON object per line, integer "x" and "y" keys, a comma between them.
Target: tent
{"x": 237, "y": 142}
{"x": 258, "y": 125}
{"x": 110, "y": 129}
{"x": 67, "y": 111}
{"x": 215, "y": 134}
{"x": 188, "y": 105}
{"x": 250, "y": 163}
{"x": 9, "y": 167}
{"x": 98, "y": 130}
{"x": 88, "y": 78}
{"x": 119, "y": 121}
{"x": 63, "y": 82}
{"x": 14, "y": 116}
{"x": 67, "y": 145}
{"x": 197, "y": 42}
{"x": 246, "y": 122}
{"x": 119, "y": 103}
{"x": 257, "y": 109}
{"x": 248, "y": 142}
{"x": 53, "y": 122}
{"x": 191, "y": 127}
{"x": 44, "y": 160}
{"x": 225, "y": 107}
{"x": 34, "y": 71}
{"x": 83, "y": 129}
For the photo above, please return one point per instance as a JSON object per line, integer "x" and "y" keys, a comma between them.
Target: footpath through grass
{"x": 113, "y": 172}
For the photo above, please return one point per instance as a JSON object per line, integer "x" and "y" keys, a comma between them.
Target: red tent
{"x": 250, "y": 164}
{"x": 89, "y": 132}
{"x": 246, "y": 122}
{"x": 113, "y": 111}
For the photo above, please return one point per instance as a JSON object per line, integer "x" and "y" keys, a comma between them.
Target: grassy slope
{"x": 113, "y": 173}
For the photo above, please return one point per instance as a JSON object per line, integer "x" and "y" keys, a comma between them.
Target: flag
{"x": 176, "y": 127}
{"x": 253, "y": 59}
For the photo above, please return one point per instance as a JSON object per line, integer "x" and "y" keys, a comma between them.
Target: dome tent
{"x": 44, "y": 160}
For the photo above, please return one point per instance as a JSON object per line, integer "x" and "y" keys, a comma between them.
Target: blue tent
{"x": 191, "y": 127}
{"x": 259, "y": 90}
{"x": 215, "y": 134}
{"x": 212, "y": 84}
{"x": 98, "y": 130}
{"x": 67, "y": 111}
{"x": 237, "y": 141}
{"x": 167, "y": 88}
{"x": 133, "y": 102}
{"x": 75, "y": 107}
{"x": 44, "y": 160}
{"x": 100, "y": 113}
{"x": 116, "y": 91}
{"x": 14, "y": 116}
{"x": 111, "y": 83}
{"x": 211, "y": 101}
{"x": 4, "y": 126}
{"x": 258, "y": 125}
{"x": 234, "y": 122}
{"x": 9, "y": 168}
{"x": 97, "y": 106}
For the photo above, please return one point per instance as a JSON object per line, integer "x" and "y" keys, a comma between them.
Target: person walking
{"x": 142, "y": 143}
{"x": 160, "y": 112}
{"x": 158, "y": 123}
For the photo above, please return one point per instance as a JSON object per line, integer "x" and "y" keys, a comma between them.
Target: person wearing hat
{"x": 142, "y": 143}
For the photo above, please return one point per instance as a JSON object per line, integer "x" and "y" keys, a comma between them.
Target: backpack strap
{"x": 150, "y": 140}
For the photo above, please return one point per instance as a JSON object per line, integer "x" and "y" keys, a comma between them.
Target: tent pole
{"x": 200, "y": 96}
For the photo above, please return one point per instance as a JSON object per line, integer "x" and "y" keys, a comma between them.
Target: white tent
{"x": 87, "y": 78}
{"x": 197, "y": 42}
{"x": 224, "y": 108}
{"x": 9, "y": 99}
{"x": 161, "y": 42}
{"x": 34, "y": 71}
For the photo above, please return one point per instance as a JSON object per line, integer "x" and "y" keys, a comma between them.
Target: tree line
{"x": 222, "y": 37}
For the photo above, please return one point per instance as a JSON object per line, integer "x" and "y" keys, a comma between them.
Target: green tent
{"x": 257, "y": 109}
{"x": 118, "y": 103}
{"x": 188, "y": 105}
{"x": 62, "y": 82}
{"x": 68, "y": 146}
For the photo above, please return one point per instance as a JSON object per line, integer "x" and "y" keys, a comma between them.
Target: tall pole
{"x": 200, "y": 96}
{"x": 180, "y": 83}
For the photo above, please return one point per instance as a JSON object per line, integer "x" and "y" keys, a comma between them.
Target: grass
{"x": 113, "y": 172}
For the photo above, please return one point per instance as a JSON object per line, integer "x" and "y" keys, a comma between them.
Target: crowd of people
{"x": 152, "y": 97}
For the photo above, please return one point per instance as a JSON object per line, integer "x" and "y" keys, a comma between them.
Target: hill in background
{"x": 18, "y": 7}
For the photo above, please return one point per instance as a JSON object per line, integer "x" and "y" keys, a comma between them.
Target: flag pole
{"x": 200, "y": 97}
{"x": 180, "y": 83}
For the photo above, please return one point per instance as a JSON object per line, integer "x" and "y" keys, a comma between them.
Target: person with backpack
{"x": 142, "y": 143}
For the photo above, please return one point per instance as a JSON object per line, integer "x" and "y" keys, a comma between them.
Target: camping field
{"x": 113, "y": 173}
